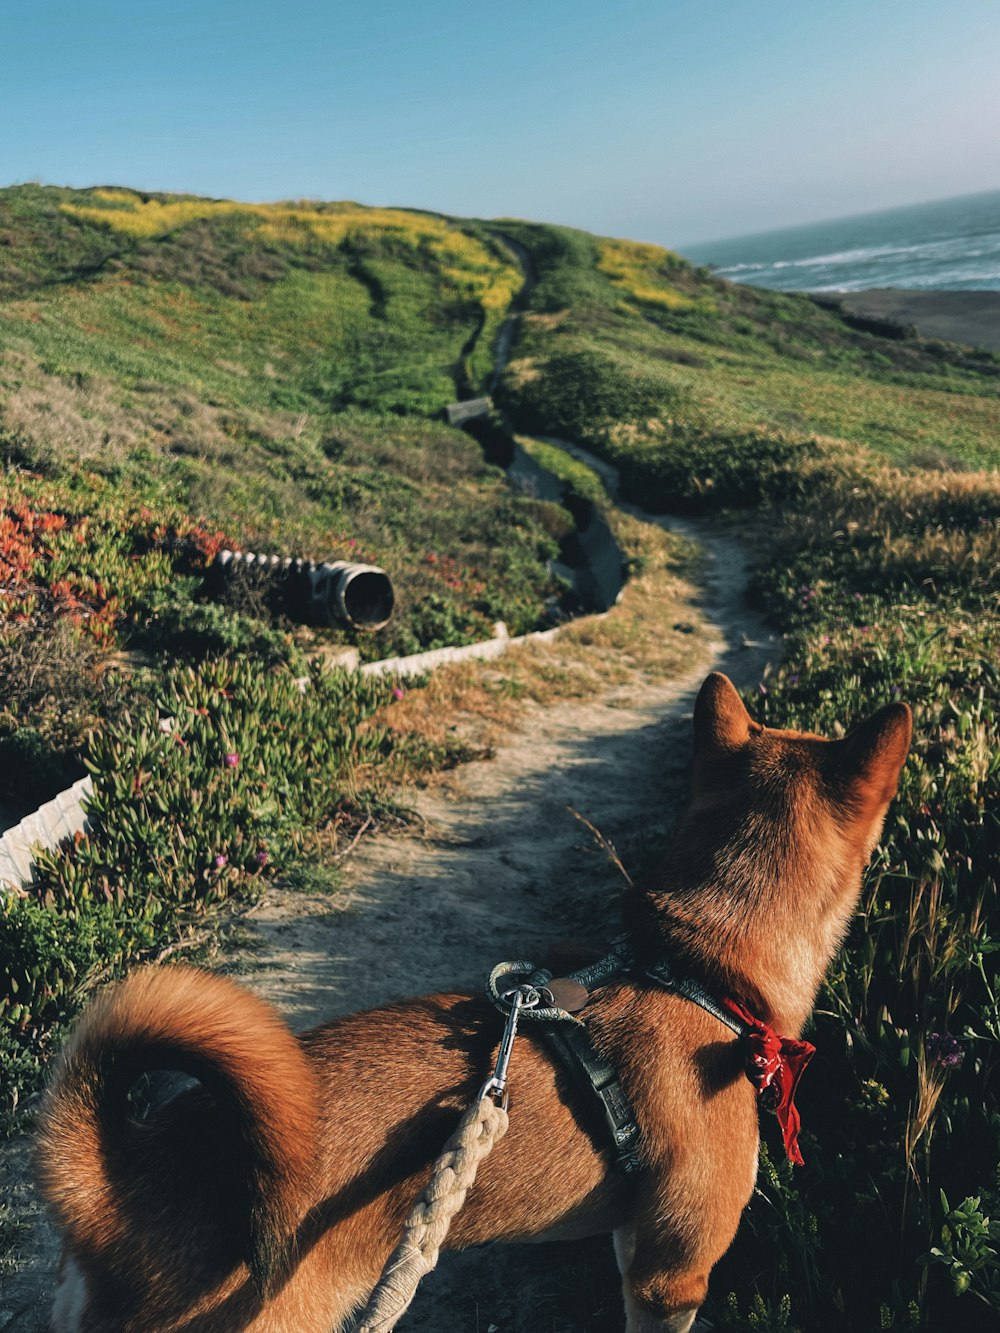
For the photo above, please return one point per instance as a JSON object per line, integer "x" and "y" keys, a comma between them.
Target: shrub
{"x": 172, "y": 624}
{"x": 584, "y": 395}
{"x": 700, "y": 471}
{"x": 196, "y": 796}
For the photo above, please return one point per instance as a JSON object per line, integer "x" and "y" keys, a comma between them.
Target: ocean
{"x": 952, "y": 245}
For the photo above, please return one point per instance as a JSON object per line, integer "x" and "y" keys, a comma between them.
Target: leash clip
{"x": 520, "y": 997}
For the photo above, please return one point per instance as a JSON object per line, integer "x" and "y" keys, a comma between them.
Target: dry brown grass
{"x": 545, "y": 321}
{"x": 60, "y": 420}
{"x": 655, "y": 632}
{"x": 929, "y": 529}
{"x": 54, "y": 418}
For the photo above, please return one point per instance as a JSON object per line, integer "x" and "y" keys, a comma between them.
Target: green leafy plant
{"x": 197, "y": 795}
{"x": 969, "y": 1248}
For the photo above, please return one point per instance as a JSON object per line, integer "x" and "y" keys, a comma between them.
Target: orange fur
{"x": 269, "y": 1198}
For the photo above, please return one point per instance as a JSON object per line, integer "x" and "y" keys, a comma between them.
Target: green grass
{"x": 581, "y": 482}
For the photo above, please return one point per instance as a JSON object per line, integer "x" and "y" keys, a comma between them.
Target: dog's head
{"x": 805, "y": 786}
{"x": 766, "y": 867}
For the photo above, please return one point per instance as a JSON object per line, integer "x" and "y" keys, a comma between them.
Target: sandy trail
{"x": 499, "y": 868}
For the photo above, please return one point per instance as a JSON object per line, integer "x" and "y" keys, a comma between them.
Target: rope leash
{"x": 482, "y": 1126}
{"x": 479, "y": 1131}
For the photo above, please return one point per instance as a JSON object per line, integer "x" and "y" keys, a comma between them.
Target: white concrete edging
{"x": 418, "y": 663}
{"x": 62, "y": 817}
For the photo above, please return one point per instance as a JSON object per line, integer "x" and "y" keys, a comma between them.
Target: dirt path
{"x": 504, "y": 344}
{"x": 498, "y": 868}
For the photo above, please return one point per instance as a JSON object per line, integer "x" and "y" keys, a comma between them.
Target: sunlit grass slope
{"x": 331, "y": 305}
{"x": 277, "y": 369}
{"x": 277, "y": 374}
{"x": 689, "y": 353}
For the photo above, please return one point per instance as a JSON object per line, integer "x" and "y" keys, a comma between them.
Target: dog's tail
{"x": 93, "y": 1165}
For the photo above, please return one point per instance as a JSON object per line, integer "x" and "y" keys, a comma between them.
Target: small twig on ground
{"x": 339, "y": 856}
{"x": 604, "y": 843}
{"x": 179, "y": 946}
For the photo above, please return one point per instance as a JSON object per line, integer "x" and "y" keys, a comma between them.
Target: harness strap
{"x": 663, "y": 974}
{"x": 571, "y": 1042}
{"x": 597, "y": 1076}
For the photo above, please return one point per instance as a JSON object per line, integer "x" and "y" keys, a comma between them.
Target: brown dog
{"x": 270, "y": 1197}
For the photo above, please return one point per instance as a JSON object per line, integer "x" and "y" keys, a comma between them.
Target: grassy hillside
{"x": 629, "y": 348}
{"x": 850, "y": 460}
{"x": 274, "y": 370}
{"x": 176, "y": 372}
{"x": 271, "y": 375}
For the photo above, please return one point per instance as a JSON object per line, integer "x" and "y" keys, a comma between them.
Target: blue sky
{"x": 666, "y": 120}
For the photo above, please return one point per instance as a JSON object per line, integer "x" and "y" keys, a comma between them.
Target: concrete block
{"x": 468, "y": 410}
{"x": 19, "y": 853}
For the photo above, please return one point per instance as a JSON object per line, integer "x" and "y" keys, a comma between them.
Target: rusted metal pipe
{"x": 330, "y": 592}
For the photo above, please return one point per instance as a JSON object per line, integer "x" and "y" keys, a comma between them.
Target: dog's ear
{"x": 721, "y": 723}
{"x": 868, "y": 763}
{"x": 872, "y": 756}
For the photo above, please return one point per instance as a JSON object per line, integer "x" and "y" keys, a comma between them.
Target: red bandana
{"x": 774, "y": 1066}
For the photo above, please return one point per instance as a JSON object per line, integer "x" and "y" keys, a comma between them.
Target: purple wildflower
{"x": 398, "y": 692}
{"x": 231, "y": 760}
{"x": 262, "y": 857}
{"x": 793, "y": 679}
{"x": 943, "y": 1050}
{"x": 220, "y": 861}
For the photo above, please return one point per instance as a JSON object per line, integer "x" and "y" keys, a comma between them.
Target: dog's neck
{"x": 756, "y": 918}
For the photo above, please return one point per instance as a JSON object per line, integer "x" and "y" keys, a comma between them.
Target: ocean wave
{"x": 939, "y": 280}
{"x": 856, "y": 256}
{"x": 865, "y": 253}
{"x": 922, "y": 251}
{"x": 946, "y": 248}
{"x": 741, "y": 268}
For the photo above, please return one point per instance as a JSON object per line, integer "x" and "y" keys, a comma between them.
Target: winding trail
{"x": 502, "y": 869}
{"x": 506, "y": 338}
{"x": 497, "y": 868}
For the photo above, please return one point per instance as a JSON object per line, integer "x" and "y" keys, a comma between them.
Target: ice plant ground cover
{"x": 198, "y": 791}
{"x": 173, "y": 368}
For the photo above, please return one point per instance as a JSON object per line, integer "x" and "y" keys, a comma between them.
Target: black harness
{"x": 554, "y": 1002}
